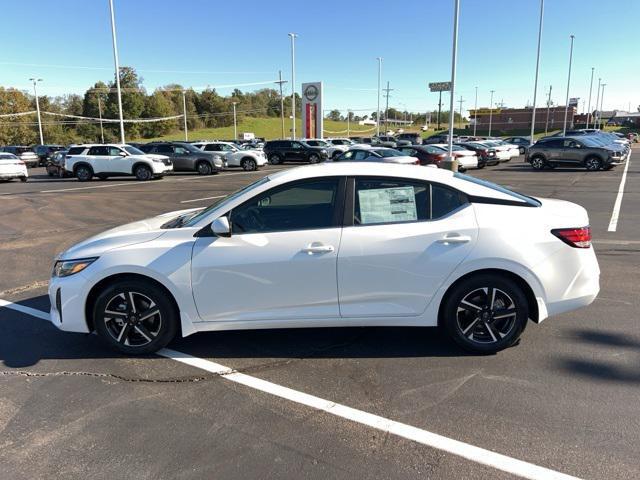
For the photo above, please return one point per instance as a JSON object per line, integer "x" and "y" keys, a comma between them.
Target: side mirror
{"x": 123, "y": 154}
{"x": 220, "y": 227}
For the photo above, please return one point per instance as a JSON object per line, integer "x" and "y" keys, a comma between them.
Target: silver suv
{"x": 582, "y": 151}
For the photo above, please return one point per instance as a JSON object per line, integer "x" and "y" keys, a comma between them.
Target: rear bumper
{"x": 17, "y": 173}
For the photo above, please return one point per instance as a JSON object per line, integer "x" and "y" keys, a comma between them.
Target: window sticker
{"x": 384, "y": 205}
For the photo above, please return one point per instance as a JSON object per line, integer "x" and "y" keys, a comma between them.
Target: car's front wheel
{"x": 204, "y": 168}
{"x": 249, "y": 164}
{"x": 143, "y": 173}
{"x": 592, "y": 164}
{"x": 538, "y": 163}
{"x": 135, "y": 317}
{"x": 485, "y": 313}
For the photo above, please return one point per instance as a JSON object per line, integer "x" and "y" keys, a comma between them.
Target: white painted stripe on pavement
{"x": 418, "y": 435}
{"x": 90, "y": 188}
{"x": 613, "y": 224}
{"x": 203, "y": 198}
{"x": 34, "y": 312}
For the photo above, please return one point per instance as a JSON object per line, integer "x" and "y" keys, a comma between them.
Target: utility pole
{"x": 386, "y": 109}
{"x": 535, "y": 83}
{"x": 293, "y": 85}
{"x": 461, "y": 101}
{"x": 184, "y": 116}
{"x": 491, "y": 111}
{"x": 100, "y": 115}
{"x": 280, "y": 82}
{"x": 379, "y": 80}
{"x": 235, "y": 122}
{"x": 590, "y": 90}
{"x": 601, "y": 107}
{"x": 348, "y": 122}
{"x": 566, "y": 106}
{"x": 546, "y": 125}
{"x": 117, "y": 67}
{"x": 595, "y": 119}
{"x": 475, "y": 114}
{"x": 451, "y": 163}
{"x": 35, "y": 92}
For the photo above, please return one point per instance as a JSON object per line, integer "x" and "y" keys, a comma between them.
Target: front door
{"x": 295, "y": 153}
{"x": 406, "y": 239}
{"x": 279, "y": 262}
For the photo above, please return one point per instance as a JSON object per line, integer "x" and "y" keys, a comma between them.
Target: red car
{"x": 427, "y": 154}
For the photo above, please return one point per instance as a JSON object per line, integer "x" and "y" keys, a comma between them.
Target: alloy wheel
{"x": 249, "y": 165}
{"x": 132, "y": 319}
{"x": 537, "y": 163}
{"x": 592, "y": 164}
{"x": 486, "y": 315}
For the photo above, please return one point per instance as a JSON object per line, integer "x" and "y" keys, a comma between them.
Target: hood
{"x": 156, "y": 156}
{"x": 122, "y": 236}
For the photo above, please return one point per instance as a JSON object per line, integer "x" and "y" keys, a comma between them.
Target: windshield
{"x": 8, "y": 156}
{"x": 192, "y": 218}
{"x": 493, "y": 186}
{"x": 190, "y": 147}
{"x": 133, "y": 150}
{"x": 389, "y": 153}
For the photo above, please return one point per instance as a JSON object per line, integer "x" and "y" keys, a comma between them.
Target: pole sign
{"x": 440, "y": 86}
{"x": 573, "y": 102}
{"x": 312, "y": 121}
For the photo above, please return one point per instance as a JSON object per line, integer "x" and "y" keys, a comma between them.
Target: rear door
{"x": 402, "y": 239}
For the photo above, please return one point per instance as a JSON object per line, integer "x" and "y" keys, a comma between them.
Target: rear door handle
{"x": 317, "y": 247}
{"x": 453, "y": 238}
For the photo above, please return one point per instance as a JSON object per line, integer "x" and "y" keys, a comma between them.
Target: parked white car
{"x": 332, "y": 149}
{"x": 111, "y": 160}
{"x": 26, "y": 154}
{"x": 376, "y": 154}
{"x": 413, "y": 247}
{"x": 467, "y": 159}
{"x": 504, "y": 151}
{"x": 235, "y": 157}
{"x": 12, "y": 167}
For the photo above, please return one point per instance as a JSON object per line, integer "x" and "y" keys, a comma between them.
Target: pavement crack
{"x": 24, "y": 373}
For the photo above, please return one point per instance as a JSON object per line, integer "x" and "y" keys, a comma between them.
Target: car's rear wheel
{"x": 24, "y": 179}
{"x": 204, "y": 168}
{"x": 84, "y": 173}
{"x": 592, "y": 164}
{"x": 143, "y": 173}
{"x": 249, "y": 164}
{"x": 485, "y": 313}
{"x": 538, "y": 163}
{"x": 135, "y": 317}
{"x": 275, "y": 159}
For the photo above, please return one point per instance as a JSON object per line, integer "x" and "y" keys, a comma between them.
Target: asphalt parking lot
{"x": 565, "y": 398}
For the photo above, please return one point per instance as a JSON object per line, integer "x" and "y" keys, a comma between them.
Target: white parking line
{"x": 203, "y": 198}
{"x": 613, "y": 224}
{"x": 418, "y": 435}
{"x": 89, "y": 188}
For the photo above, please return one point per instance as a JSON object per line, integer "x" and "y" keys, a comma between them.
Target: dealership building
{"x": 508, "y": 119}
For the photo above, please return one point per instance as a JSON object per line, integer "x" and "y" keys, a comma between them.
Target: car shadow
{"x": 26, "y": 340}
{"x": 601, "y": 370}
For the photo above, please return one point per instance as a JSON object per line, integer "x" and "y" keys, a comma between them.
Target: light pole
{"x": 595, "y": 119}
{"x": 117, "y": 67}
{"x": 491, "y": 111}
{"x": 461, "y": 101}
{"x": 590, "y": 90}
{"x": 535, "y": 83}
{"x": 100, "y": 115}
{"x": 35, "y": 92}
{"x": 601, "y": 102}
{"x": 293, "y": 84}
{"x": 452, "y": 162}
{"x": 235, "y": 122}
{"x": 566, "y": 106}
{"x": 184, "y": 115}
{"x": 348, "y": 122}
{"x": 281, "y": 82}
{"x": 379, "y": 82}
{"x": 475, "y": 114}
{"x": 546, "y": 124}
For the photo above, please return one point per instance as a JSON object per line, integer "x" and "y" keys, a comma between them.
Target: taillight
{"x": 574, "y": 237}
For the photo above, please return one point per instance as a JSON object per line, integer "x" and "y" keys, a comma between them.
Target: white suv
{"x": 103, "y": 161}
{"x": 234, "y": 157}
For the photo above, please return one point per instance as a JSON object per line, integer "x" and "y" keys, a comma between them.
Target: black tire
{"x": 275, "y": 159}
{"x": 102, "y": 176}
{"x": 143, "y": 173}
{"x": 314, "y": 158}
{"x": 249, "y": 164}
{"x": 592, "y": 164}
{"x": 204, "y": 168}
{"x": 84, "y": 173}
{"x": 538, "y": 163}
{"x": 126, "y": 329}
{"x": 470, "y": 309}
{"x": 24, "y": 179}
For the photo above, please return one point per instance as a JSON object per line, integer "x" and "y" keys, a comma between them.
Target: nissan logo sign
{"x": 311, "y": 92}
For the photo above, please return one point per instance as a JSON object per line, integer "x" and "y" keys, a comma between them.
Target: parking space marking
{"x": 613, "y": 224}
{"x": 88, "y": 188}
{"x": 439, "y": 442}
{"x": 203, "y": 198}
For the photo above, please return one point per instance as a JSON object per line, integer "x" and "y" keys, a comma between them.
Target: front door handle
{"x": 453, "y": 238}
{"x": 317, "y": 247}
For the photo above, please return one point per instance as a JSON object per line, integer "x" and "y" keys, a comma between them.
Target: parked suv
{"x": 103, "y": 161}
{"x": 45, "y": 152}
{"x": 279, "y": 151}
{"x": 187, "y": 158}
{"x": 414, "y": 138}
{"x": 26, "y": 154}
{"x": 573, "y": 152}
{"x": 249, "y": 159}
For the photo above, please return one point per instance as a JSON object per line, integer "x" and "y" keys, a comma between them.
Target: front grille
{"x": 167, "y": 161}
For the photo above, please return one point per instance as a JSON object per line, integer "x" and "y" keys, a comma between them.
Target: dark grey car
{"x": 186, "y": 157}
{"x": 573, "y": 152}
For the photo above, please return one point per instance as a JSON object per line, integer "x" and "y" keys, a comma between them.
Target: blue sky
{"x": 213, "y": 42}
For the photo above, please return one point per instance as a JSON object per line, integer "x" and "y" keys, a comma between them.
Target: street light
{"x": 35, "y": 92}
{"x": 566, "y": 105}
{"x": 184, "y": 115}
{"x": 491, "y": 111}
{"x": 601, "y": 102}
{"x": 235, "y": 123}
{"x": 379, "y": 82}
{"x": 535, "y": 83}
{"x": 475, "y": 114}
{"x": 117, "y": 67}
{"x": 293, "y": 84}
{"x": 100, "y": 115}
{"x": 451, "y": 161}
{"x": 590, "y": 90}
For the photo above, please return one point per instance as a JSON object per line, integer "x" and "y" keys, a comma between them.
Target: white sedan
{"x": 12, "y": 167}
{"x": 234, "y": 157}
{"x": 334, "y": 245}
{"x": 467, "y": 159}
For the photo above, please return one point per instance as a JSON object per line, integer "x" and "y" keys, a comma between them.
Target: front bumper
{"x": 67, "y": 296}
{"x": 161, "y": 168}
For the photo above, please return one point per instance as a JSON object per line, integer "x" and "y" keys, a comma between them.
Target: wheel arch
{"x": 139, "y": 163}
{"x": 82, "y": 163}
{"x": 534, "y": 313}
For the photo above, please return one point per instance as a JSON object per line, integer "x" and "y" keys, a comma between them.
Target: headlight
{"x": 157, "y": 160}
{"x": 64, "y": 268}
